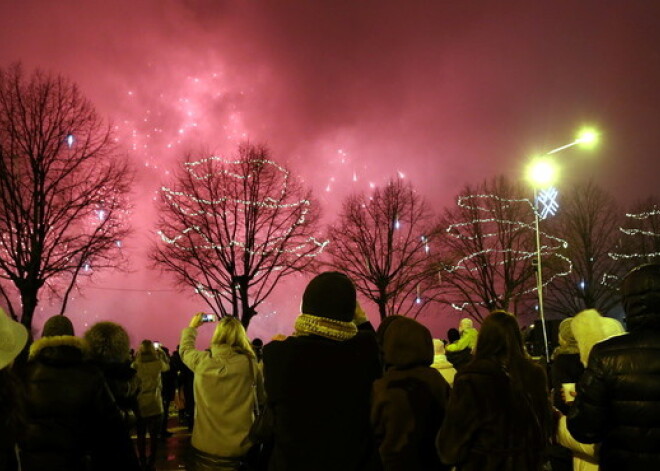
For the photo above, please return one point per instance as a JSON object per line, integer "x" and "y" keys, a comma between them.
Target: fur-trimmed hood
{"x": 69, "y": 341}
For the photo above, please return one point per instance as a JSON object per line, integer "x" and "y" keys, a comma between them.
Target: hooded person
{"x": 72, "y": 421}
{"x": 566, "y": 365}
{"x": 587, "y": 329}
{"x": 13, "y": 338}
{"x": 468, "y": 336}
{"x": 318, "y": 382}
{"x": 618, "y": 396}
{"x": 458, "y": 358}
{"x": 409, "y": 401}
{"x": 440, "y": 362}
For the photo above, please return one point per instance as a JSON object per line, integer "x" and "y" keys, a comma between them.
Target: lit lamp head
{"x": 542, "y": 172}
{"x": 587, "y": 138}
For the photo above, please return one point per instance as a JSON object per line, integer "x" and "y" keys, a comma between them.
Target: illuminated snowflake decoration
{"x": 497, "y": 255}
{"x": 546, "y": 203}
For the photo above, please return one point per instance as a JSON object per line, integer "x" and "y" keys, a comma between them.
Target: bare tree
{"x": 232, "y": 229}
{"x": 383, "y": 242}
{"x": 487, "y": 249}
{"x": 589, "y": 220}
{"x": 62, "y": 189}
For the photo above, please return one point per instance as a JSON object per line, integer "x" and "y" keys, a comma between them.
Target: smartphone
{"x": 157, "y": 345}
{"x": 208, "y": 317}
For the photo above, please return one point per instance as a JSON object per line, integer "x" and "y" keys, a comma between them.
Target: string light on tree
{"x": 233, "y": 227}
{"x": 496, "y": 256}
{"x": 646, "y": 236}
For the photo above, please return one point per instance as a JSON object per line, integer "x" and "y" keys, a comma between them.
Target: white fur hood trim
{"x": 57, "y": 341}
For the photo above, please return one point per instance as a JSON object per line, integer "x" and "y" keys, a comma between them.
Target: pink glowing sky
{"x": 348, "y": 94}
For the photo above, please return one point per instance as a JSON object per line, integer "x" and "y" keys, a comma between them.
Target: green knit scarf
{"x": 306, "y": 324}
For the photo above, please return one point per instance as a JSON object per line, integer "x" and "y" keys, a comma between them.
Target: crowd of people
{"x": 339, "y": 395}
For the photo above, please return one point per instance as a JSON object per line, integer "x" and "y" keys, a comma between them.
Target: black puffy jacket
{"x": 618, "y": 402}
{"x": 73, "y": 422}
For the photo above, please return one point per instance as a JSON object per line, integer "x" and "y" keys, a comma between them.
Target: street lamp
{"x": 542, "y": 173}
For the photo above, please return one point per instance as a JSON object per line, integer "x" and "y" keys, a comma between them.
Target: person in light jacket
{"x": 149, "y": 364}
{"x": 227, "y": 384}
{"x": 440, "y": 362}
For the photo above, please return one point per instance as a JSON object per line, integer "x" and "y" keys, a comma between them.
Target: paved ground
{"x": 172, "y": 451}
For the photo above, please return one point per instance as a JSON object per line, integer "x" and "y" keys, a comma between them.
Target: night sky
{"x": 348, "y": 94}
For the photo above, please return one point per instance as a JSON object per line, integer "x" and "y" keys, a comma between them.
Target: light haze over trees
{"x": 63, "y": 190}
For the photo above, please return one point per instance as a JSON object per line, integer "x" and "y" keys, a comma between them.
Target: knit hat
{"x": 57, "y": 325}
{"x": 13, "y": 337}
{"x": 331, "y": 295}
{"x": 640, "y": 291}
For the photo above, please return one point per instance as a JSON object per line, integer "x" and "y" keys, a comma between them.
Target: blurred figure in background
{"x": 618, "y": 396}
{"x": 457, "y": 357}
{"x": 149, "y": 364}
{"x": 499, "y": 414}
{"x": 258, "y": 348}
{"x": 185, "y": 393}
{"x": 169, "y": 379}
{"x": 13, "y": 338}
{"x": 409, "y": 401}
{"x": 440, "y": 362}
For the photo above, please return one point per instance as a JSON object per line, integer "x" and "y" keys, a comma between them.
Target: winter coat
{"x": 124, "y": 385}
{"x": 409, "y": 401}
{"x": 618, "y": 402}
{"x": 468, "y": 340}
{"x": 7, "y": 427}
{"x": 444, "y": 367}
{"x": 566, "y": 368}
{"x": 224, "y": 396}
{"x": 73, "y": 422}
{"x": 7, "y": 444}
{"x": 584, "y": 456}
{"x": 460, "y": 358}
{"x": 168, "y": 378}
{"x": 149, "y": 369}
{"x": 318, "y": 390}
{"x": 490, "y": 425}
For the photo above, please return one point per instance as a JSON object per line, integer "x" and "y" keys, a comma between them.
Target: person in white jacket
{"x": 440, "y": 362}
{"x": 227, "y": 384}
{"x": 588, "y": 328}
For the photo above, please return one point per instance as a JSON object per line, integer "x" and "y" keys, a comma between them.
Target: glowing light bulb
{"x": 70, "y": 140}
{"x": 542, "y": 172}
{"x": 588, "y": 138}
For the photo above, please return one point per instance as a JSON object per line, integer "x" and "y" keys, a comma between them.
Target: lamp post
{"x": 542, "y": 173}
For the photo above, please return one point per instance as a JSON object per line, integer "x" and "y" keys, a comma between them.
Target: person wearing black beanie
{"x": 318, "y": 382}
